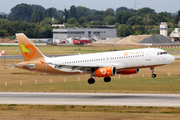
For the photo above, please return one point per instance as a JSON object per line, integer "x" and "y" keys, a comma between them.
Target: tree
{"x": 82, "y": 12}
{"x": 146, "y": 10}
{"x": 22, "y": 12}
{"x": 72, "y": 21}
{"x": 124, "y": 30}
{"x": 123, "y": 17}
{"x": 99, "y": 17}
{"x": 111, "y": 9}
{"x": 99, "y": 22}
{"x": 4, "y": 17}
{"x": 164, "y": 17}
{"x": 66, "y": 14}
{"x": 108, "y": 13}
{"x": 40, "y": 15}
{"x": 110, "y": 20}
{"x": 73, "y": 12}
{"x": 51, "y": 11}
{"x": 3, "y": 33}
{"x": 34, "y": 17}
{"x": 132, "y": 20}
{"x": 37, "y": 7}
{"x": 99, "y": 13}
{"x": 139, "y": 20}
{"x": 82, "y": 20}
{"x": 178, "y": 13}
{"x": 122, "y": 9}
{"x": 60, "y": 12}
{"x": 93, "y": 22}
{"x": 92, "y": 11}
{"x": 90, "y": 18}
{"x": 10, "y": 18}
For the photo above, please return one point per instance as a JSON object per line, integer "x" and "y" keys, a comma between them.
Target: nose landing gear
{"x": 153, "y": 75}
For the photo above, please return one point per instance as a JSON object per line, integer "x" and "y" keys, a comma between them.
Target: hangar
{"x": 98, "y": 31}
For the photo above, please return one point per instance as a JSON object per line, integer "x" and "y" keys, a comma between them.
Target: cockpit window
{"x": 161, "y": 53}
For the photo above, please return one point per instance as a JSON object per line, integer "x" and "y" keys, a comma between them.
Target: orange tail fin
{"x": 28, "y": 50}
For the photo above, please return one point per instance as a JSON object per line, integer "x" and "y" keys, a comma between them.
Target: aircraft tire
{"x": 153, "y": 75}
{"x": 107, "y": 79}
{"x": 91, "y": 80}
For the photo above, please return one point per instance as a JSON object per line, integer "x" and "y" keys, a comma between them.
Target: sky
{"x": 158, "y": 5}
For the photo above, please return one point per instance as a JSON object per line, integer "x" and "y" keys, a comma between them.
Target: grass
{"x": 61, "y": 50}
{"x": 68, "y": 112}
{"x": 137, "y": 84}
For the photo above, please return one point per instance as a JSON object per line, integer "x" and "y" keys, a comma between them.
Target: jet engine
{"x": 104, "y": 72}
{"x": 126, "y": 72}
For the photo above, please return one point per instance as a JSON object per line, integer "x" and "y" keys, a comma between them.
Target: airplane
{"x": 105, "y": 64}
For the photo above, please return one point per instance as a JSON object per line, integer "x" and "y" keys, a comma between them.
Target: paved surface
{"x": 176, "y": 56}
{"x": 113, "y": 99}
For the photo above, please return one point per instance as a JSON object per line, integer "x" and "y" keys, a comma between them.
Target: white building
{"x": 175, "y": 35}
{"x": 101, "y": 32}
{"x": 163, "y": 29}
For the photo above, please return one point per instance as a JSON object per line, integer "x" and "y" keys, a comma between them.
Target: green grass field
{"x": 70, "y": 112}
{"x": 61, "y": 50}
{"x": 137, "y": 84}
{"x": 125, "y": 84}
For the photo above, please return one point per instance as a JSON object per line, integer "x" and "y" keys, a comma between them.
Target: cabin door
{"x": 148, "y": 55}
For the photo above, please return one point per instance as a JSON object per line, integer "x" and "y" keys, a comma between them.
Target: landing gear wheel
{"x": 107, "y": 79}
{"x": 153, "y": 75}
{"x": 91, "y": 80}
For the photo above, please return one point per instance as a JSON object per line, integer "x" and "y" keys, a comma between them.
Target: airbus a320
{"x": 106, "y": 64}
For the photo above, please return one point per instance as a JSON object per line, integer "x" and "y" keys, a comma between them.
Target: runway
{"x": 104, "y": 99}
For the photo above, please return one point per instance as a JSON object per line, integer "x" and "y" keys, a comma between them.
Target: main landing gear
{"x": 153, "y": 75}
{"x": 107, "y": 79}
{"x": 92, "y": 80}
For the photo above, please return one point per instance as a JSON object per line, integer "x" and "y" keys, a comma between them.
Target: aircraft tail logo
{"x": 29, "y": 51}
{"x": 26, "y": 51}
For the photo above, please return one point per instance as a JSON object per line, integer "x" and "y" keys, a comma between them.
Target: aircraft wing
{"x": 85, "y": 68}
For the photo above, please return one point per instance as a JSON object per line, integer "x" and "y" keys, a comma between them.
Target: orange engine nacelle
{"x": 126, "y": 72}
{"x": 104, "y": 72}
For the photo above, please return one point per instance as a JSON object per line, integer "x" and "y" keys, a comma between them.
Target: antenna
{"x": 135, "y": 4}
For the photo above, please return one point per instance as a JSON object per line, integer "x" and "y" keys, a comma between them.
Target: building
{"x": 175, "y": 34}
{"x": 163, "y": 29}
{"x": 100, "y": 32}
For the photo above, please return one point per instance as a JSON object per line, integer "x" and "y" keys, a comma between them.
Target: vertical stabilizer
{"x": 28, "y": 50}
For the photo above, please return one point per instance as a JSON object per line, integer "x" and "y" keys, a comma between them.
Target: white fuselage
{"x": 126, "y": 59}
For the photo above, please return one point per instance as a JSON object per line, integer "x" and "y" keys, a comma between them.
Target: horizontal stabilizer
{"x": 31, "y": 66}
